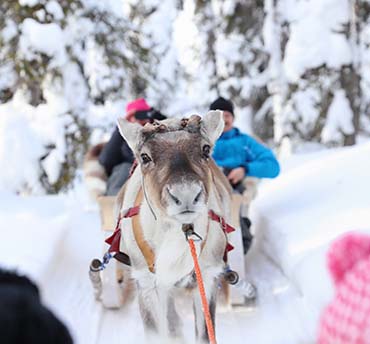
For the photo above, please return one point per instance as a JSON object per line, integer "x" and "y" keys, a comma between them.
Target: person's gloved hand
{"x": 236, "y": 175}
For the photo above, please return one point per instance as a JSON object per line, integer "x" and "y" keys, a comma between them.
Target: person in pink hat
{"x": 116, "y": 157}
{"x": 346, "y": 320}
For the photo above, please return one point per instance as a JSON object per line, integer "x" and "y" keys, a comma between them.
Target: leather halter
{"x": 147, "y": 252}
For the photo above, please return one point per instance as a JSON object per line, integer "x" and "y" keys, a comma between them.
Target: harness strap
{"x": 225, "y": 226}
{"x": 123, "y": 258}
{"x": 144, "y": 247}
{"x": 115, "y": 239}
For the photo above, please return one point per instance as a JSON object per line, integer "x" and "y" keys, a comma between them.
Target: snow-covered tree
{"x": 297, "y": 72}
{"x": 362, "y": 16}
{"x": 242, "y": 61}
{"x": 62, "y": 58}
{"x": 223, "y": 54}
{"x": 318, "y": 72}
{"x": 156, "y": 20}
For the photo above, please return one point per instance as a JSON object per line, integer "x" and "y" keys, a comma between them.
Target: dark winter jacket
{"x": 23, "y": 317}
{"x": 116, "y": 151}
{"x": 235, "y": 149}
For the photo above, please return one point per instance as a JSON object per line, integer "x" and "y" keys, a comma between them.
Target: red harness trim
{"x": 133, "y": 168}
{"x": 225, "y": 226}
{"x": 115, "y": 239}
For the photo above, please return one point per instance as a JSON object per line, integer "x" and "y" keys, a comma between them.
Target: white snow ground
{"x": 317, "y": 197}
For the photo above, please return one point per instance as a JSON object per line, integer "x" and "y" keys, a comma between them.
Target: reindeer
{"x": 176, "y": 183}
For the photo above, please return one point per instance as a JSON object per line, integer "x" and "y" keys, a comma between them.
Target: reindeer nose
{"x": 185, "y": 196}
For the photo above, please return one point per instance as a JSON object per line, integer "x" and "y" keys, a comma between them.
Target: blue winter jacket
{"x": 235, "y": 149}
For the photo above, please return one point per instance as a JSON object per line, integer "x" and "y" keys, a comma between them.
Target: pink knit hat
{"x": 137, "y": 105}
{"x": 346, "y": 320}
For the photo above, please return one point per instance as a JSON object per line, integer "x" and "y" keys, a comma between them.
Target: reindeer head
{"x": 174, "y": 159}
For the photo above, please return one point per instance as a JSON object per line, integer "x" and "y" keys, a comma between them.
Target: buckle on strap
{"x": 188, "y": 230}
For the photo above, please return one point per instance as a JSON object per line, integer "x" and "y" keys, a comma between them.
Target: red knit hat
{"x": 137, "y": 105}
{"x": 346, "y": 320}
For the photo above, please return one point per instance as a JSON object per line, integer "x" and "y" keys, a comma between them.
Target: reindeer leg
{"x": 170, "y": 322}
{"x": 161, "y": 322}
{"x": 147, "y": 312}
{"x": 173, "y": 319}
{"x": 201, "y": 333}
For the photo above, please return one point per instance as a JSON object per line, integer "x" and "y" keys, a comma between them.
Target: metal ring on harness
{"x": 188, "y": 230}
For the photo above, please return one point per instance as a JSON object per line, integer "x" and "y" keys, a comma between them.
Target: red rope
{"x": 207, "y": 315}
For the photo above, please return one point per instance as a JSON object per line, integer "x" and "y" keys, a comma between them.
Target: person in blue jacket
{"x": 239, "y": 156}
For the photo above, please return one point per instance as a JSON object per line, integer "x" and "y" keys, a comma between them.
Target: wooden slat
{"x": 106, "y": 205}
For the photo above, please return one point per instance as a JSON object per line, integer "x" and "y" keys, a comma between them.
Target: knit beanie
{"x": 137, "y": 105}
{"x": 346, "y": 320}
{"x": 222, "y": 104}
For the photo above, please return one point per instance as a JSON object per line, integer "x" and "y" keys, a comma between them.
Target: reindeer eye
{"x": 145, "y": 158}
{"x": 206, "y": 151}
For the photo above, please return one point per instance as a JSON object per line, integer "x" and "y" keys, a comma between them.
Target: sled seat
{"x": 107, "y": 212}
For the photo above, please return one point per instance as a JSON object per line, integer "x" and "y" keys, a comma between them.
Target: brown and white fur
{"x": 181, "y": 183}
{"x": 95, "y": 176}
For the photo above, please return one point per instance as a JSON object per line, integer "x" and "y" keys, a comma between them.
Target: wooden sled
{"x": 236, "y": 256}
{"x": 115, "y": 277}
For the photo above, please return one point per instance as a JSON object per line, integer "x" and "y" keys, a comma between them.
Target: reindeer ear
{"x": 131, "y": 132}
{"x": 213, "y": 125}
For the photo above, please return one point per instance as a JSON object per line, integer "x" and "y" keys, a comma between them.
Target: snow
{"x": 29, "y": 3}
{"x": 186, "y": 36}
{"x": 51, "y": 165}
{"x": 43, "y": 38}
{"x": 320, "y": 194}
{"x": 55, "y": 9}
{"x": 310, "y": 204}
{"x": 16, "y": 134}
{"x": 317, "y": 197}
{"x": 9, "y": 31}
{"x": 186, "y": 73}
{"x": 8, "y": 76}
{"x": 29, "y": 134}
{"x": 31, "y": 229}
{"x": 339, "y": 119}
{"x": 316, "y": 32}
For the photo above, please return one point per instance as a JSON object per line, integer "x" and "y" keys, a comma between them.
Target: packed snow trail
{"x": 318, "y": 197}
{"x": 66, "y": 289}
{"x": 53, "y": 240}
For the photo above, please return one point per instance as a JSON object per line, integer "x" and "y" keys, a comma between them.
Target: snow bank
{"x": 297, "y": 216}
{"x": 31, "y": 229}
